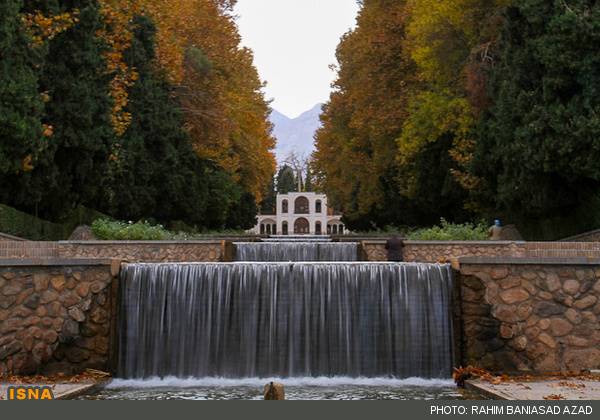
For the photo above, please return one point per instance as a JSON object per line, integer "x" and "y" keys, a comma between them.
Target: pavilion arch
{"x": 301, "y": 226}
{"x": 285, "y": 230}
{"x": 301, "y": 205}
{"x": 268, "y": 227}
{"x": 335, "y": 227}
{"x": 318, "y": 228}
{"x": 318, "y": 207}
{"x": 285, "y": 206}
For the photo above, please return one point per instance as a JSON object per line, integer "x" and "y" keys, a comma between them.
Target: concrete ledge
{"x": 581, "y": 235}
{"x": 7, "y": 237}
{"x": 529, "y": 261}
{"x": 54, "y": 262}
{"x": 571, "y": 389}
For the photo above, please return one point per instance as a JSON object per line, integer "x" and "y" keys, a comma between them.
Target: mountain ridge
{"x": 295, "y": 134}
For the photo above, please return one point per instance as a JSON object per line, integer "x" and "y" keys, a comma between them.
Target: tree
{"x": 150, "y": 170}
{"x": 356, "y": 157}
{"x": 198, "y": 46}
{"x": 309, "y": 184}
{"x": 538, "y": 149}
{"x": 22, "y": 139}
{"x": 242, "y": 216}
{"x": 286, "y": 180}
{"x": 452, "y": 44}
{"x": 270, "y": 199}
{"x": 78, "y": 108}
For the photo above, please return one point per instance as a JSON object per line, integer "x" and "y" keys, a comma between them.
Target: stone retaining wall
{"x": 530, "y": 315}
{"x": 438, "y": 251}
{"x": 55, "y": 316}
{"x": 137, "y": 251}
{"x": 132, "y": 251}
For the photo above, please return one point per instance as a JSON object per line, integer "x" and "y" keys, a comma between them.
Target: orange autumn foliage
{"x": 42, "y": 28}
{"x": 198, "y": 49}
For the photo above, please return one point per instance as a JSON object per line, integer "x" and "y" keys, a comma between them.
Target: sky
{"x": 294, "y": 44}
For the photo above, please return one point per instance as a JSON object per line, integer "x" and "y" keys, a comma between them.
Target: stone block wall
{"x": 28, "y": 249}
{"x": 417, "y": 251}
{"x": 132, "y": 251}
{"x": 55, "y": 316}
{"x": 520, "y": 315}
{"x": 145, "y": 251}
{"x": 438, "y": 251}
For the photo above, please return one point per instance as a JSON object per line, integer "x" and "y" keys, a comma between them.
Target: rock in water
{"x": 274, "y": 391}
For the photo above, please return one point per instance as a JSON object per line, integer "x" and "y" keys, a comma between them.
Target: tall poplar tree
{"x": 21, "y": 107}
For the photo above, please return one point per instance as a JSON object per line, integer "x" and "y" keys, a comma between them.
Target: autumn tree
{"x": 198, "y": 46}
{"x": 356, "y": 157}
{"x": 452, "y": 44}
{"x": 148, "y": 175}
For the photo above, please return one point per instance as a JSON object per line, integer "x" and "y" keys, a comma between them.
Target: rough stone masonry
{"x": 542, "y": 317}
{"x": 55, "y": 316}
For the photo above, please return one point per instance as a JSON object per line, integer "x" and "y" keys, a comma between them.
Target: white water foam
{"x": 174, "y": 382}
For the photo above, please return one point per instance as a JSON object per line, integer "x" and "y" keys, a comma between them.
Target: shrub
{"x": 451, "y": 232}
{"x": 120, "y": 231}
{"x": 112, "y": 230}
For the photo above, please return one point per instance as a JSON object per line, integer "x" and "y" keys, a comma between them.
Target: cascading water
{"x": 286, "y": 319}
{"x": 296, "y": 251}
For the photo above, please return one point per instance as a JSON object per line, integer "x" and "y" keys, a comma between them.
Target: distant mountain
{"x": 295, "y": 134}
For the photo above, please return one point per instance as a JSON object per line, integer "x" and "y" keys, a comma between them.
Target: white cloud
{"x": 294, "y": 43}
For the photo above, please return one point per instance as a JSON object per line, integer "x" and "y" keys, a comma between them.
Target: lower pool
{"x": 295, "y": 389}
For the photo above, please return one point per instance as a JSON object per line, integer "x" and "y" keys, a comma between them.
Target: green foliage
{"x": 59, "y": 148}
{"x": 21, "y": 107}
{"x": 286, "y": 180}
{"x": 112, "y": 230}
{"x": 242, "y": 215}
{"x": 23, "y": 225}
{"x": 451, "y": 232}
{"x": 76, "y": 85}
{"x": 267, "y": 206}
{"x": 18, "y": 223}
{"x": 538, "y": 150}
{"x": 156, "y": 173}
{"x": 141, "y": 231}
{"x": 150, "y": 174}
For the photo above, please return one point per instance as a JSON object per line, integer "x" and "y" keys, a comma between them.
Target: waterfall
{"x": 285, "y": 319}
{"x": 296, "y": 251}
